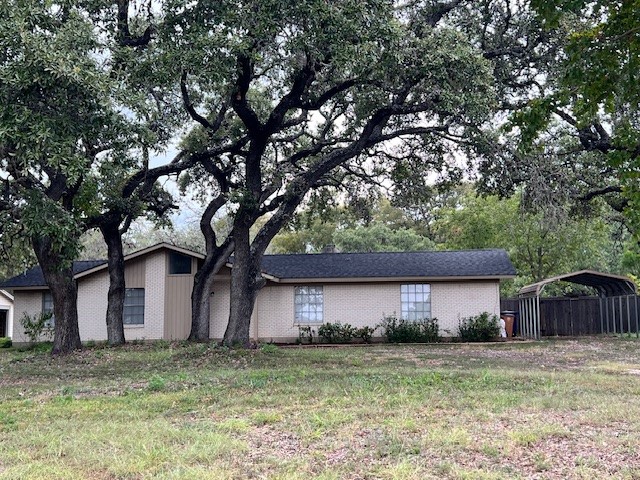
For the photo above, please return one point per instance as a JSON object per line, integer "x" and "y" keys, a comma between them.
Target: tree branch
{"x": 239, "y": 98}
{"x": 211, "y": 127}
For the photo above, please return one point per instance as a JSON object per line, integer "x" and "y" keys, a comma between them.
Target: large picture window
{"x": 134, "y": 306}
{"x": 309, "y": 304}
{"x": 416, "y": 301}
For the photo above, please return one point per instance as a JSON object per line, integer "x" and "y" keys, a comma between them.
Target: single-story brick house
{"x": 301, "y": 290}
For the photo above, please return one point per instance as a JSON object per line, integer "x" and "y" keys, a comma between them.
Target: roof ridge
{"x": 496, "y": 249}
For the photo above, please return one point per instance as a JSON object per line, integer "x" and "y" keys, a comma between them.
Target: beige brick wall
{"x": 357, "y": 304}
{"x": 29, "y": 302}
{"x": 92, "y": 305}
{"x": 219, "y": 309}
{"x": 452, "y": 301}
{"x": 367, "y": 303}
{"x": 275, "y": 313}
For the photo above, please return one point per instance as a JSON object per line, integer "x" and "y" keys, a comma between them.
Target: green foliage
{"x": 380, "y": 238}
{"x": 479, "y": 328}
{"x": 5, "y": 342}
{"x": 337, "y": 332}
{"x": 36, "y": 327}
{"x": 306, "y": 334}
{"x": 539, "y": 244}
{"x": 345, "y": 333}
{"x": 365, "y": 333}
{"x": 405, "y": 331}
{"x": 594, "y": 83}
{"x": 356, "y": 227}
{"x": 269, "y": 348}
{"x": 156, "y": 384}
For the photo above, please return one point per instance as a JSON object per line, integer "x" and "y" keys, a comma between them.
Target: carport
{"x": 617, "y": 294}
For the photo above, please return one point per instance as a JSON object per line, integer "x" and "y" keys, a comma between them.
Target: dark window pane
{"x": 179, "y": 264}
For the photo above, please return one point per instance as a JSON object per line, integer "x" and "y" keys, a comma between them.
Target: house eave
{"x": 30, "y": 287}
{"x": 141, "y": 253}
{"x": 494, "y": 278}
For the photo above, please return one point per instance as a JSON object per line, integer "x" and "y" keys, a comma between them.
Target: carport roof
{"x": 607, "y": 284}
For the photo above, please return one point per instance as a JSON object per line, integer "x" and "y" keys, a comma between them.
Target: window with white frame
{"x": 47, "y": 308}
{"x": 416, "y": 301}
{"x": 309, "y": 305}
{"x": 133, "y": 313}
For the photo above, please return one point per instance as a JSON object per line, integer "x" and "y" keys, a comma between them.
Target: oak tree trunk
{"x": 201, "y": 293}
{"x": 246, "y": 281}
{"x": 64, "y": 291}
{"x": 244, "y": 289}
{"x": 117, "y": 287}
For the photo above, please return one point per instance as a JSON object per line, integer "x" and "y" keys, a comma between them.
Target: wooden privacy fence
{"x": 575, "y": 316}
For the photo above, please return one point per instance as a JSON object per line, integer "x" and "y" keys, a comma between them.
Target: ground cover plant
{"x": 552, "y": 409}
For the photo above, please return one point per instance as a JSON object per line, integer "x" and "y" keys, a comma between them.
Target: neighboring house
{"x": 6, "y": 314}
{"x": 301, "y": 290}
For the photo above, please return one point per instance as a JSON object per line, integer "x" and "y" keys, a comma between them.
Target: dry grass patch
{"x": 555, "y": 409}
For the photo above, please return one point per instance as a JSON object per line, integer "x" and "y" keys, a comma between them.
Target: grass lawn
{"x": 554, "y": 409}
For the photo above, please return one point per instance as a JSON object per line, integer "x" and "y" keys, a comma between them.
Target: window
{"x": 416, "y": 301}
{"x": 133, "y": 306}
{"x": 309, "y": 304}
{"x": 179, "y": 264}
{"x": 47, "y": 307}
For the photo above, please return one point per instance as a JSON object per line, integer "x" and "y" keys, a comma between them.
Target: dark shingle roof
{"x": 463, "y": 263}
{"x": 34, "y": 277}
{"x": 467, "y": 263}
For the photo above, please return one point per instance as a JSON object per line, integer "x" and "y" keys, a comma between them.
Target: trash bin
{"x": 508, "y": 316}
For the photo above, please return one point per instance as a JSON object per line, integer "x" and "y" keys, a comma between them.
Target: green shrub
{"x": 305, "y": 334}
{"x": 365, "y": 333}
{"x": 400, "y": 330}
{"x": 479, "y": 328}
{"x": 37, "y": 326}
{"x": 337, "y": 332}
{"x": 5, "y": 342}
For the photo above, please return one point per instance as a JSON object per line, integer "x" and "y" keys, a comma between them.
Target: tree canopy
{"x": 273, "y": 103}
